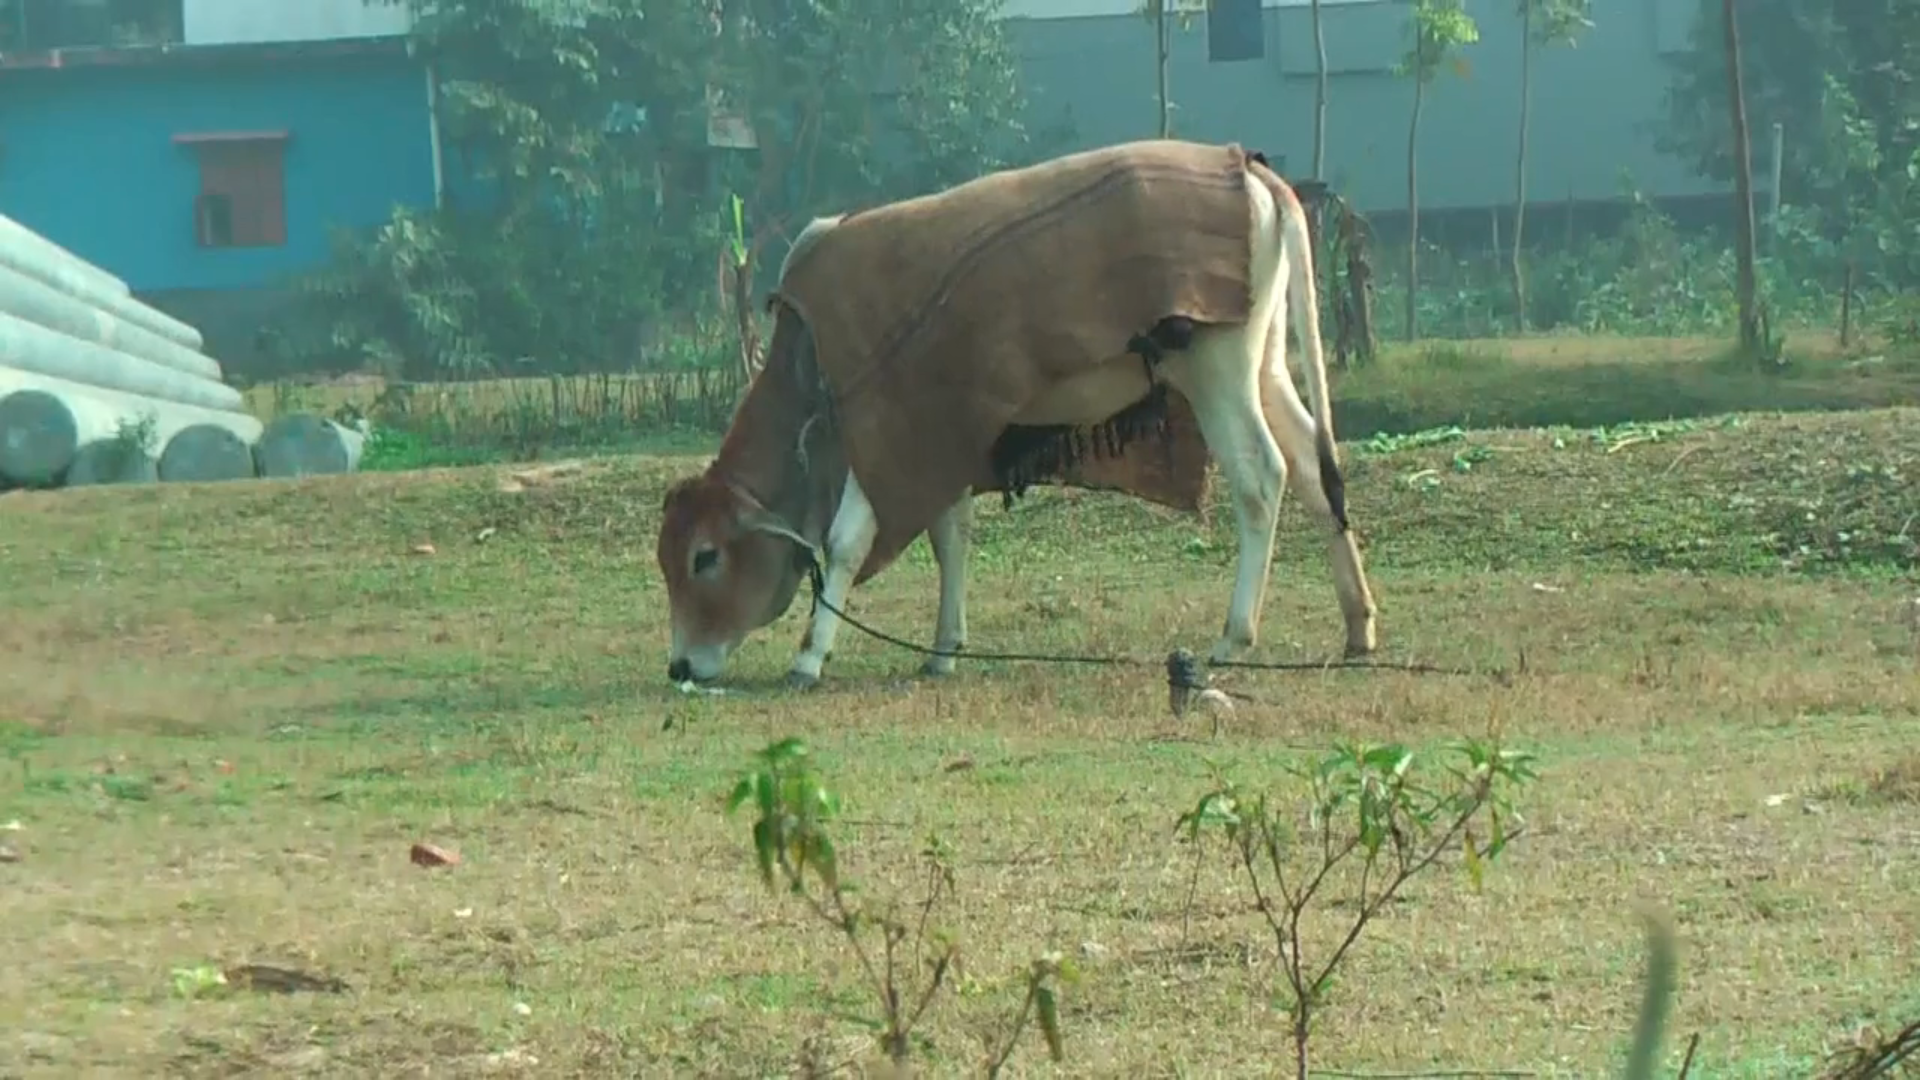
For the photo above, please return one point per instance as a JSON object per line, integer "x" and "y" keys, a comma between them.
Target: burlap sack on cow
{"x": 937, "y": 319}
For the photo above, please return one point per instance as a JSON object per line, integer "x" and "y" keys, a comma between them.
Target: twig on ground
{"x": 1680, "y": 457}
{"x": 1879, "y": 1059}
{"x": 1686, "y": 1063}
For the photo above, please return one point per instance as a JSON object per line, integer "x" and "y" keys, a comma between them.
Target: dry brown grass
{"x": 228, "y": 710}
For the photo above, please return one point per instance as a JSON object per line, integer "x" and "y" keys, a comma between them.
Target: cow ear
{"x": 674, "y": 491}
{"x": 679, "y": 489}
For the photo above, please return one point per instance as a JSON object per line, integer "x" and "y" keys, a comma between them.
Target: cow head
{"x": 731, "y": 567}
{"x": 732, "y": 564}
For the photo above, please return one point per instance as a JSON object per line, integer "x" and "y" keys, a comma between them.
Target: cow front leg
{"x": 949, "y": 536}
{"x": 849, "y": 539}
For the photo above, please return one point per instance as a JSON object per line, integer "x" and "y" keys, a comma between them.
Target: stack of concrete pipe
{"x": 97, "y": 387}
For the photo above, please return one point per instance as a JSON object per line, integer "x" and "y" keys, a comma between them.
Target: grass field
{"x": 231, "y": 709}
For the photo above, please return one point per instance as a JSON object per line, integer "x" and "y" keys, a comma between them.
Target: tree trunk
{"x": 1319, "y": 97}
{"x": 1743, "y": 189}
{"x": 1520, "y": 168}
{"x": 1413, "y": 209}
{"x": 1162, "y": 47}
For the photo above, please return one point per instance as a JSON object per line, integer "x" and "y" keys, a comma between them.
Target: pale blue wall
{"x": 1592, "y": 104}
{"x": 89, "y": 158}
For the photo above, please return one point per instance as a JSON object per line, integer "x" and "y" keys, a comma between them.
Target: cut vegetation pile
{"x": 412, "y": 733}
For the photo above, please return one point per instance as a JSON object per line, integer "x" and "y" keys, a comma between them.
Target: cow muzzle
{"x": 697, "y": 665}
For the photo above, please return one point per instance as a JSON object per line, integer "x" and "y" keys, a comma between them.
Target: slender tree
{"x": 1440, "y": 28}
{"x": 1542, "y": 22}
{"x": 1319, "y": 96}
{"x": 1163, "y": 48}
{"x": 1744, "y": 230}
{"x": 1163, "y": 15}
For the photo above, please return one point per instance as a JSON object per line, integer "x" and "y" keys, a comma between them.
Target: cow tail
{"x": 1304, "y": 299}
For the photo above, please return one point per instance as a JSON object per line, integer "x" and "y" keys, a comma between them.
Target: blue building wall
{"x": 1593, "y": 106}
{"x": 90, "y": 161}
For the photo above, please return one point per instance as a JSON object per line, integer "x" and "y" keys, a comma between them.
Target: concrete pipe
{"x": 301, "y": 444}
{"x": 37, "y": 302}
{"x": 111, "y": 461}
{"x": 28, "y": 346}
{"x": 21, "y": 246}
{"x": 44, "y": 421}
{"x": 34, "y": 255}
{"x": 204, "y": 452}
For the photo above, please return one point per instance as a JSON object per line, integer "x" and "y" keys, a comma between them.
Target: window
{"x": 32, "y": 25}
{"x": 242, "y": 200}
{"x": 1236, "y": 30}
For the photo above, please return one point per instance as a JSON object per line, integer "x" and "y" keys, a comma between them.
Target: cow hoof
{"x": 937, "y": 667}
{"x": 800, "y": 680}
{"x": 1362, "y": 644}
{"x": 1227, "y": 650}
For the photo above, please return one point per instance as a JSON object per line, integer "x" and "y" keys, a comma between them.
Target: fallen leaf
{"x": 959, "y": 764}
{"x": 223, "y": 766}
{"x": 433, "y": 855}
{"x": 423, "y": 549}
{"x": 463, "y": 913}
{"x": 9, "y": 853}
{"x": 485, "y": 534}
{"x": 511, "y": 1058}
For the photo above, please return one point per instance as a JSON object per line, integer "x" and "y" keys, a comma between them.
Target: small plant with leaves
{"x": 736, "y": 289}
{"x": 907, "y": 960}
{"x": 1371, "y": 814}
{"x": 134, "y": 442}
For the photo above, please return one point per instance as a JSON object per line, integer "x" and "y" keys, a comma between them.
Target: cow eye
{"x": 705, "y": 560}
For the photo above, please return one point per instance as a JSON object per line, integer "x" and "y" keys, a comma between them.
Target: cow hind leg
{"x": 1294, "y": 429}
{"x": 948, "y": 537}
{"x": 849, "y": 539}
{"x": 1219, "y": 376}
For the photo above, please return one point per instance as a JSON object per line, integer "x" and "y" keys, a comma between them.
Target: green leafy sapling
{"x": 1367, "y": 806}
{"x": 913, "y": 959}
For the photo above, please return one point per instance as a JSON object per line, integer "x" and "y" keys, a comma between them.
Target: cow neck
{"x": 759, "y": 453}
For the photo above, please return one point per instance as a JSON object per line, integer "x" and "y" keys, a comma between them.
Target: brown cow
{"x": 735, "y": 541}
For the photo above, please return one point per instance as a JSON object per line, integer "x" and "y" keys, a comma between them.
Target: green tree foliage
{"x": 1840, "y": 79}
{"x": 1439, "y": 29}
{"x": 588, "y": 217}
{"x": 1542, "y": 23}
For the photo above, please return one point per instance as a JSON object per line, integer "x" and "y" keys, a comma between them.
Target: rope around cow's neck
{"x": 1181, "y": 673}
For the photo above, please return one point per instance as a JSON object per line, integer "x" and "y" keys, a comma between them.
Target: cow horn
{"x": 768, "y": 522}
